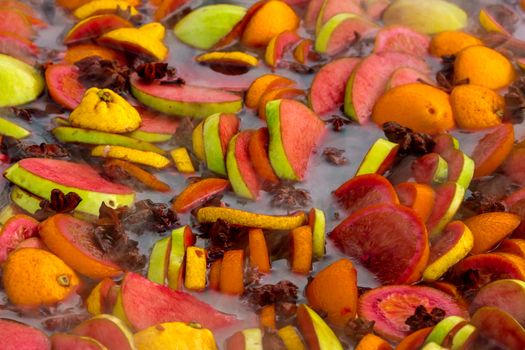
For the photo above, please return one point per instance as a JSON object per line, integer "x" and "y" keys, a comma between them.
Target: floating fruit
{"x": 276, "y": 94}
{"x": 19, "y": 82}
{"x": 443, "y": 328}
{"x": 316, "y": 333}
{"x": 246, "y": 339}
{"x": 137, "y": 173}
{"x": 63, "y": 85}
{"x": 100, "y": 299}
{"x": 142, "y": 304}
{"x": 301, "y": 241}
{"x": 431, "y": 17}
{"x": 8, "y": 128}
{"x": 362, "y": 93}
{"x": 182, "y": 335}
{"x": 420, "y": 107}
{"x": 419, "y": 197}
{"x": 13, "y": 21}
{"x": 237, "y": 59}
{"x": 70, "y": 239}
{"x": 152, "y": 159}
{"x": 232, "y": 272}
{"x": 460, "y": 166}
{"x": 182, "y": 160}
{"x": 317, "y": 222}
{"x": 18, "y": 47}
{"x": 414, "y": 340}
{"x": 490, "y": 23}
{"x": 332, "y": 8}
{"x": 15, "y": 230}
{"x": 218, "y": 130}
{"x": 25, "y": 200}
{"x": 291, "y": 338}
{"x": 340, "y": 300}
{"x": 63, "y": 341}
{"x": 184, "y": 100}
{"x": 303, "y": 50}
{"x": 492, "y": 150}
{"x": 328, "y": 86}
{"x": 95, "y": 26}
{"x": 159, "y": 261}
{"x": 204, "y": 27}
{"x": 258, "y": 149}
{"x": 514, "y": 246}
{"x": 390, "y": 306}
{"x": 373, "y": 342}
{"x": 476, "y": 107}
{"x": 451, "y": 43}
{"x": 97, "y": 7}
{"x": 430, "y": 169}
{"x": 40, "y": 176}
{"x": 499, "y": 327}
{"x": 402, "y": 39}
{"x": 249, "y": 219}
{"x": 385, "y": 232}
{"x": 490, "y": 228}
{"x": 108, "y": 330}
{"x": 167, "y": 7}
{"x": 241, "y": 173}
{"x": 79, "y": 52}
{"x": 181, "y": 239}
{"x": 34, "y": 277}
{"x": 405, "y": 75}
{"x": 261, "y": 85}
{"x": 379, "y": 158}
{"x": 452, "y": 245}
{"x": 195, "y": 270}
{"x": 155, "y": 127}
{"x": 294, "y": 130}
{"x": 16, "y": 335}
{"x": 448, "y": 199}
{"x": 198, "y": 192}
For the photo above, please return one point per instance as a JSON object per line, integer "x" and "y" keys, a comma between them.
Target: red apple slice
{"x": 62, "y": 341}
{"x": 447, "y": 201}
{"x": 379, "y": 158}
{"x": 199, "y": 192}
{"x": 492, "y": 150}
{"x": 331, "y": 8}
{"x": 108, "y": 330}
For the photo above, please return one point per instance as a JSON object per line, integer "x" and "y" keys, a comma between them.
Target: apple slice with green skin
{"x": 318, "y": 335}
{"x": 16, "y": 335}
{"x": 462, "y": 338}
{"x": 63, "y": 341}
{"x": 63, "y": 85}
{"x": 217, "y": 131}
{"x": 448, "y": 199}
{"x": 241, "y": 173}
{"x": 184, "y": 100}
{"x": 19, "y": 82}
{"x": 197, "y": 142}
{"x": 443, "y": 328}
{"x": 94, "y": 26}
{"x": 497, "y": 325}
{"x": 15, "y": 230}
{"x": 181, "y": 238}
{"x": 317, "y": 221}
{"x": 99, "y": 301}
{"x": 68, "y": 134}
{"x": 155, "y": 127}
{"x": 489, "y": 22}
{"x": 25, "y": 200}
{"x": 278, "y": 45}
{"x": 430, "y": 169}
{"x": 7, "y": 212}
{"x": 379, "y": 158}
{"x": 40, "y": 176}
{"x": 452, "y": 245}
{"x": 205, "y": 27}
{"x": 433, "y": 346}
{"x": 247, "y": 339}
{"x": 159, "y": 261}
{"x": 294, "y": 131}
{"x": 109, "y": 330}
{"x": 341, "y": 31}
{"x": 460, "y": 167}
{"x": 8, "y": 128}
{"x": 332, "y": 8}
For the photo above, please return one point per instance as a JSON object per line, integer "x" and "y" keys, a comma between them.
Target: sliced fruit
{"x": 492, "y": 150}
{"x": 432, "y": 17}
{"x": 77, "y": 135}
{"x": 303, "y": 50}
{"x": 159, "y": 261}
{"x": 108, "y": 330}
{"x": 490, "y": 228}
{"x": 232, "y": 272}
{"x": 81, "y": 51}
{"x": 445, "y": 142}
{"x": 276, "y": 94}
{"x": 317, "y": 334}
{"x": 258, "y": 149}
{"x": 19, "y": 82}
{"x": 18, "y": 47}
{"x": 340, "y": 300}
{"x": 8, "y": 128}
{"x": 14, "y": 21}
{"x": 251, "y": 338}
{"x": 195, "y": 271}
{"x": 99, "y": 300}
{"x": 167, "y": 7}
{"x": 197, "y": 142}
{"x": 379, "y": 158}
{"x": 365, "y": 190}
{"x": 142, "y": 304}
{"x": 374, "y": 8}
{"x": 204, "y": 27}
{"x": 63, "y": 341}
{"x": 152, "y": 159}
{"x": 451, "y": 42}
{"x": 328, "y": 87}
{"x": 373, "y": 342}
{"x": 291, "y": 338}
{"x": 40, "y": 176}
{"x": 261, "y": 85}
{"x": 214, "y": 276}
{"x": 218, "y": 130}
{"x": 447, "y": 201}
{"x": 460, "y": 167}
{"x": 249, "y": 219}
{"x": 259, "y": 258}
{"x": 385, "y": 232}
{"x": 489, "y": 22}
{"x": 402, "y": 39}
{"x": 513, "y": 165}
{"x": 390, "y": 306}
{"x": 498, "y": 326}
{"x": 405, "y": 75}
{"x": 294, "y": 130}
{"x": 301, "y": 241}
{"x": 95, "y": 26}
{"x": 514, "y": 246}
{"x": 419, "y": 197}
{"x": 236, "y": 59}
{"x": 97, "y": 7}
{"x": 16, "y": 334}
{"x": 278, "y": 45}
{"x": 71, "y": 240}
{"x": 182, "y": 161}
{"x": 168, "y": 334}
{"x": 185, "y": 100}
{"x": 430, "y": 169}
{"x": 443, "y": 328}
{"x": 332, "y": 8}
{"x": 63, "y": 85}
{"x": 25, "y": 200}
{"x": 137, "y": 173}
{"x": 181, "y": 239}
{"x": 198, "y": 192}
{"x": 364, "y": 89}
{"x": 15, "y": 230}
{"x": 317, "y": 222}
{"x": 155, "y": 127}
{"x": 452, "y": 245}
{"x": 312, "y": 10}
{"x": 241, "y": 173}
{"x": 414, "y": 340}
{"x": 341, "y": 31}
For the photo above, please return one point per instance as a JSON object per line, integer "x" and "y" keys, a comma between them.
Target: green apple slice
{"x": 317, "y": 221}
{"x": 212, "y": 145}
{"x": 19, "y": 82}
{"x": 176, "y": 257}
{"x": 278, "y": 159}
{"x": 206, "y": 26}
{"x": 159, "y": 260}
{"x": 25, "y": 200}
{"x": 433, "y": 346}
{"x": 450, "y": 195}
{"x": 234, "y": 174}
{"x": 7, "y": 212}
{"x": 378, "y": 158}
{"x": 151, "y": 137}
{"x": 325, "y": 32}
{"x": 463, "y": 336}
{"x": 8, "y": 128}
{"x": 317, "y": 333}
{"x": 68, "y": 134}
{"x": 441, "y": 330}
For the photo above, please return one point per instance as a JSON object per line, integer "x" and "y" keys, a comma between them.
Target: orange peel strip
{"x": 141, "y": 175}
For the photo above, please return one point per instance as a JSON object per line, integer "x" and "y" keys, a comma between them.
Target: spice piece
{"x": 357, "y": 328}
{"x": 335, "y": 156}
{"x": 338, "y": 123}
{"x": 95, "y": 71}
{"x": 60, "y": 202}
{"x": 269, "y": 294}
{"x": 150, "y": 72}
{"x": 422, "y": 318}
{"x": 288, "y": 197}
{"x": 481, "y": 203}
{"x": 409, "y": 142}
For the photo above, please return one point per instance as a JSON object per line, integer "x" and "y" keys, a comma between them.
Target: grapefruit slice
{"x": 365, "y": 190}
{"x": 63, "y": 85}
{"x": 142, "y": 303}
{"x": 328, "y": 87}
{"x": 16, "y": 336}
{"x": 390, "y": 306}
{"x": 368, "y": 81}
{"x": 16, "y": 229}
{"x": 402, "y": 39}
{"x": 492, "y": 150}
{"x": 388, "y": 239}
{"x": 241, "y": 173}
{"x": 95, "y": 26}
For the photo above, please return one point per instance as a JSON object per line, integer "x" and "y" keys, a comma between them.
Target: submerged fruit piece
{"x": 155, "y": 127}
{"x": 206, "y": 26}
{"x": 499, "y": 327}
{"x": 182, "y": 160}
{"x": 259, "y": 258}
{"x": 489, "y": 20}
{"x": 448, "y": 198}
{"x": 198, "y": 192}
{"x": 271, "y": 19}
{"x": 159, "y": 260}
{"x": 261, "y": 85}
{"x": 18, "y": 47}
{"x": 328, "y": 87}
{"x": 108, "y": 330}
{"x": 514, "y": 246}
{"x": 476, "y": 107}
{"x": 451, "y": 43}
{"x": 251, "y": 338}
{"x": 340, "y": 300}
{"x": 195, "y": 269}
{"x": 8, "y": 128}
{"x": 483, "y": 66}
{"x": 276, "y": 94}
{"x": 291, "y": 338}
{"x": 441, "y": 331}
{"x": 414, "y": 340}
{"x": 175, "y": 335}
{"x": 63, "y": 341}
{"x": 218, "y": 130}
{"x": 139, "y": 174}
{"x": 332, "y": 8}
{"x": 294, "y": 131}
{"x": 278, "y": 45}
{"x": 34, "y": 277}
{"x": 71, "y": 239}
{"x": 79, "y": 52}
{"x": 492, "y": 150}
{"x": 390, "y": 306}
{"x": 258, "y": 149}
{"x": 40, "y": 176}
{"x": 63, "y": 85}
{"x": 16, "y": 336}
{"x": 379, "y": 158}
{"x": 135, "y": 156}
{"x": 19, "y": 82}
{"x": 232, "y": 272}
{"x": 430, "y": 17}
{"x": 317, "y": 334}
{"x": 142, "y": 304}
{"x": 15, "y": 230}
{"x": 430, "y": 169}
{"x": 184, "y": 100}
{"x": 95, "y": 26}
{"x": 249, "y": 219}
{"x": 97, "y": 7}
{"x": 490, "y": 228}
{"x": 404, "y": 75}
{"x": 100, "y": 299}
{"x": 241, "y": 173}
{"x": 402, "y": 39}
{"x": 167, "y": 7}
{"x": 452, "y": 245}
{"x": 301, "y": 241}
{"x": 25, "y": 200}
{"x": 385, "y": 232}
{"x": 420, "y": 107}
{"x": 303, "y": 50}
{"x": 364, "y": 88}
{"x": 237, "y": 59}
{"x": 317, "y": 222}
